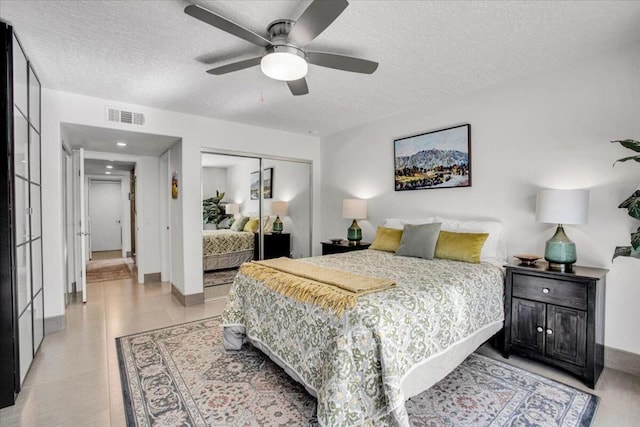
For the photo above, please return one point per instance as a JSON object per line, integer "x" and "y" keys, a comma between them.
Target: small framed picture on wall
{"x": 267, "y": 184}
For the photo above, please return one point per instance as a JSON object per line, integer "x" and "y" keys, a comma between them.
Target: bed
{"x": 363, "y": 364}
{"x": 226, "y": 248}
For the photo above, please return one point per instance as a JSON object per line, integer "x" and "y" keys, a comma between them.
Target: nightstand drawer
{"x": 554, "y": 291}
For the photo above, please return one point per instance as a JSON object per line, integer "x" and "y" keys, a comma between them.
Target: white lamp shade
{"x": 562, "y": 206}
{"x": 284, "y": 66}
{"x": 279, "y": 208}
{"x": 232, "y": 208}
{"x": 354, "y": 208}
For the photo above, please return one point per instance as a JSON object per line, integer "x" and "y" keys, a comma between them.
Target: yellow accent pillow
{"x": 252, "y": 225}
{"x": 387, "y": 239}
{"x": 460, "y": 246}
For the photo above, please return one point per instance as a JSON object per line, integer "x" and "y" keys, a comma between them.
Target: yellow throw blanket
{"x": 326, "y": 287}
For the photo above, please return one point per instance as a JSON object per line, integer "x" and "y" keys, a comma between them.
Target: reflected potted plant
{"x": 213, "y": 211}
{"x": 632, "y": 204}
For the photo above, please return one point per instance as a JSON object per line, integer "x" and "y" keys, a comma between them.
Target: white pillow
{"x": 398, "y": 223}
{"x": 494, "y": 249}
{"x": 268, "y": 223}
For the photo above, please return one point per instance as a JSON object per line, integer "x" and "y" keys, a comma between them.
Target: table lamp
{"x": 561, "y": 207}
{"x": 354, "y": 209}
{"x": 232, "y": 209}
{"x": 278, "y": 208}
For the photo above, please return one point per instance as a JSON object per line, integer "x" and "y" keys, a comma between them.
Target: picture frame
{"x": 267, "y": 184}
{"x": 432, "y": 160}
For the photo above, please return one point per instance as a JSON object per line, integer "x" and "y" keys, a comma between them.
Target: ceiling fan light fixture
{"x": 284, "y": 63}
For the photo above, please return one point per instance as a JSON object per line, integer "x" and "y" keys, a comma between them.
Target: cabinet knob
{"x": 539, "y": 328}
{"x": 545, "y": 290}
{"x": 549, "y": 332}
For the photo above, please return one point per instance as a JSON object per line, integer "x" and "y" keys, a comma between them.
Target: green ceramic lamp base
{"x": 277, "y": 225}
{"x": 560, "y": 251}
{"x": 354, "y": 233}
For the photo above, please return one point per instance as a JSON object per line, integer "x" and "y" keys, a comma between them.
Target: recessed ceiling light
{"x": 121, "y": 144}
{"x": 107, "y": 173}
{"x": 109, "y": 167}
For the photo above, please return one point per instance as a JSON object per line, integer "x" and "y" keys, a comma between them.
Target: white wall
{"x": 547, "y": 131}
{"x": 213, "y": 179}
{"x": 197, "y": 133}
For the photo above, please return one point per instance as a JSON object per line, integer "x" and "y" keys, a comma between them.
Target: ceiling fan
{"x": 284, "y": 55}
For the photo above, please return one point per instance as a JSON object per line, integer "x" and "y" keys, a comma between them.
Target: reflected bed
{"x": 223, "y": 249}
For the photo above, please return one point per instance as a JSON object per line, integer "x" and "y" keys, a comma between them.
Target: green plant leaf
{"x": 632, "y": 204}
{"x": 621, "y": 251}
{"x": 635, "y": 158}
{"x": 630, "y": 144}
{"x": 635, "y": 240}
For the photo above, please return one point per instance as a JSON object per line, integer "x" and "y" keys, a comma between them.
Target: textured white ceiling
{"x": 151, "y": 53}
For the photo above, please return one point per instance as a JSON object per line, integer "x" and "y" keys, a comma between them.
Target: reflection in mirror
{"x": 291, "y": 203}
{"x": 232, "y": 223}
{"x": 230, "y": 220}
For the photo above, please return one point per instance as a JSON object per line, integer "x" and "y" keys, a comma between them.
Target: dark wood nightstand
{"x": 276, "y": 245}
{"x": 557, "y": 318}
{"x": 329, "y": 248}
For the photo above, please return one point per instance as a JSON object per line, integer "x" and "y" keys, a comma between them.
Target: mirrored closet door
{"x": 242, "y": 223}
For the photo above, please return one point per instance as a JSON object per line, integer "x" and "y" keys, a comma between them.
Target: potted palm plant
{"x": 213, "y": 211}
{"x": 632, "y": 204}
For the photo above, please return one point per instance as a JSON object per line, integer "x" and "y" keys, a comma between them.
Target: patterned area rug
{"x": 183, "y": 376}
{"x": 219, "y": 277}
{"x": 107, "y": 269}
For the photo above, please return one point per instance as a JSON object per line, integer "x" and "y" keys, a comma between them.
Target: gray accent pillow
{"x": 419, "y": 240}
{"x": 239, "y": 224}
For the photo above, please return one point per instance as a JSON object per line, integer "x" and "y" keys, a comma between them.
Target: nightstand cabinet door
{"x": 527, "y": 324}
{"x": 566, "y": 334}
{"x": 276, "y": 245}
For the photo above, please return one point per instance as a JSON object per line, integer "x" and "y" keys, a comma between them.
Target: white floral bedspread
{"x": 356, "y": 362}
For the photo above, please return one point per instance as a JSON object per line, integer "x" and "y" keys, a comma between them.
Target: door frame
{"x": 165, "y": 217}
{"x": 98, "y": 155}
{"x": 91, "y": 179}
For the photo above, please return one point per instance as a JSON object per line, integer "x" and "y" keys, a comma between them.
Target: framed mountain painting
{"x": 437, "y": 159}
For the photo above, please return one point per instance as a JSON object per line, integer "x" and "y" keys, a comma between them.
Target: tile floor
{"x": 75, "y": 381}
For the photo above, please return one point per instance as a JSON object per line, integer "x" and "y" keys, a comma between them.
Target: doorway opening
{"x": 108, "y": 213}
{"x": 133, "y": 158}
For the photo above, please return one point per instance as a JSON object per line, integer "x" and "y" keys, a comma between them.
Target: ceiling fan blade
{"x": 226, "y": 25}
{"x": 313, "y": 21}
{"x": 298, "y": 87}
{"x": 235, "y": 66}
{"x": 342, "y": 62}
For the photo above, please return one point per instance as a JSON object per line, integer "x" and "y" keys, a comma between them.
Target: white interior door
{"x": 83, "y": 232}
{"x": 165, "y": 215}
{"x": 105, "y": 211}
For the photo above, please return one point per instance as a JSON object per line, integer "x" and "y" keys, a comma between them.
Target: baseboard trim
{"x": 187, "y": 300}
{"x": 622, "y": 360}
{"x": 54, "y": 324}
{"x": 152, "y": 277}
